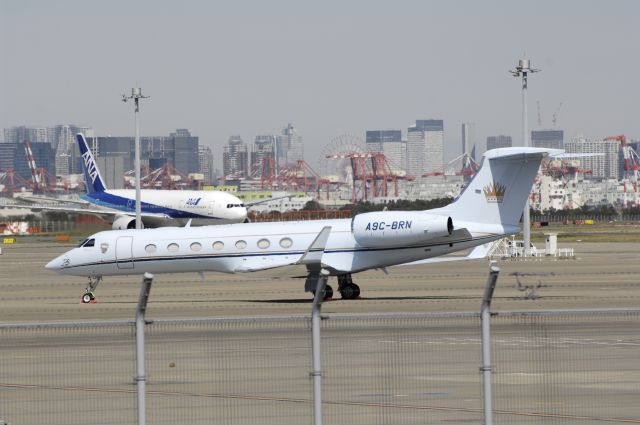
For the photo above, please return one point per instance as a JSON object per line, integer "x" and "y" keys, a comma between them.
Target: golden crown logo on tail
{"x": 494, "y": 192}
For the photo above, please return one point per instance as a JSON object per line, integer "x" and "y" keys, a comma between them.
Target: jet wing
{"x": 313, "y": 255}
{"x": 311, "y": 258}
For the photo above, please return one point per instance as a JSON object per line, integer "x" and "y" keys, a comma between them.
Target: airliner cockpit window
{"x": 234, "y": 205}
{"x": 87, "y": 243}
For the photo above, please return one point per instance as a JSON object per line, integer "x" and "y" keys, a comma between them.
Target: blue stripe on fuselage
{"x": 268, "y": 254}
{"x": 108, "y": 200}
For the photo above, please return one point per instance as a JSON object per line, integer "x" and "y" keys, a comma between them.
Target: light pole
{"x": 136, "y": 95}
{"x": 522, "y": 70}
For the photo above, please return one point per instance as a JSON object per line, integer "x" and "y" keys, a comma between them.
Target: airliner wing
{"x": 55, "y": 201}
{"x": 262, "y": 201}
{"x": 103, "y": 213}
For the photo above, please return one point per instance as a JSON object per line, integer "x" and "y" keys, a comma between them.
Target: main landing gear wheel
{"x": 347, "y": 288}
{"x": 328, "y": 292}
{"x": 350, "y": 291}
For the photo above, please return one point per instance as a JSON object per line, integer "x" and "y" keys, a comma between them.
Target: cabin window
{"x": 241, "y": 244}
{"x": 87, "y": 243}
{"x": 196, "y": 246}
{"x": 218, "y": 245}
{"x": 263, "y": 243}
{"x": 151, "y": 248}
{"x": 286, "y": 242}
{"x": 173, "y": 247}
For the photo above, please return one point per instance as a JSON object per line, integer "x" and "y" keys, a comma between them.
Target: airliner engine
{"x": 401, "y": 228}
{"x": 124, "y": 222}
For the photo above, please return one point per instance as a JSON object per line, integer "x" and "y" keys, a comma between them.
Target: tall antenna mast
{"x": 522, "y": 70}
{"x": 136, "y": 95}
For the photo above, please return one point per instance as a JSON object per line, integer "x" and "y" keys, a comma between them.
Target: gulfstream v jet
{"x": 159, "y": 207}
{"x": 488, "y": 209}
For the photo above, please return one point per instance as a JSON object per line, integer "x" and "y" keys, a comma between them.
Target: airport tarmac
{"x": 602, "y": 275}
{"x": 376, "y": 371}
{"x": 411, "y": 371}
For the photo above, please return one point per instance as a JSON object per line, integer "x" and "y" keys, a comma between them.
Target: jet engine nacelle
{"x": 386, "y": 228}
{"x": 124, "y": 222}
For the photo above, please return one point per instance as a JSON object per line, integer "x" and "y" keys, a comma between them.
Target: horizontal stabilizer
{"x": 476, "y": 253}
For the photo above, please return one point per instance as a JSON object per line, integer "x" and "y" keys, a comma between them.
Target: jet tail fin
{"x": 92, "y": 178}
{"x": 498, "y": 192}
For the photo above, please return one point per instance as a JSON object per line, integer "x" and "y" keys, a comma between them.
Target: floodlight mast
{"x": 522, "y": 70}
{"x": 136, "y": 95}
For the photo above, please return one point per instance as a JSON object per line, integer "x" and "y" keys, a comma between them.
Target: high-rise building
{"x": 179, "y": 149}
{"x": 501, "y": 141}
{"x": 235, "y": 159}
{"x": 390, "y": 143}
{"x": 60, "y": 137}
{"x": 7, "y": 156}
{"x": 469, "y": 139}
{"x": 263, "y": 155}
{"x": 21, "y": 133}
{"x": 425, "y": 147}
{"x": 553, "y": 139}
{"x": 289, "y": 147}
{"x": 205, "y": 158}
{"x": 604, "y": 165}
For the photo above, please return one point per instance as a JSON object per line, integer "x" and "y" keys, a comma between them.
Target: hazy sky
{"x": 329, "y": 67}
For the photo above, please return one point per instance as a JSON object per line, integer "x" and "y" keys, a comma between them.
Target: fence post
{"x": 321, "y": 284}
{"x": 485, "y": 320}
{"x": 141, "y": 377}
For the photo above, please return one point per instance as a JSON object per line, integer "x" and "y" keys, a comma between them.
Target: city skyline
{"x": 447, "y": 61}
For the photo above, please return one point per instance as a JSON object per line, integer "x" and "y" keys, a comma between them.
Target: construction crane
{"x": 539, "y": 114}
{"x": 371, "y": 174}
{"x": 10, "y": 182}
{"x": 36, "y": 178}
{"x": 554, "y": 117}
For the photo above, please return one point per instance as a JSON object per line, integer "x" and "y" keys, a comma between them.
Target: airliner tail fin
{"x": 93, "y": 179}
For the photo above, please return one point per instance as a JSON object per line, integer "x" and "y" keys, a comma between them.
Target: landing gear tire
{"x": 347, "y": 288}
{"x": 91, "y": 287}
{"x": 328, "y": 292}
{"x": 350, "y": 291}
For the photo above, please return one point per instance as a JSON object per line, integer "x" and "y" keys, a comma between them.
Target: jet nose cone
{"x": 55, "y": 264}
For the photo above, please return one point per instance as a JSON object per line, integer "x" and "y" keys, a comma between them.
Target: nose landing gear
{"x": 89, "y": 296}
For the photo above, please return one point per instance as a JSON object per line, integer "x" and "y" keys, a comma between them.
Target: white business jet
{"x": 158, "y": 207}
{"x": 488, "y": 209}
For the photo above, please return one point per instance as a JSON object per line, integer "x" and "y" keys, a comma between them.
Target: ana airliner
{"x": 488, "y": 209}
{"x": 159, "y": 207}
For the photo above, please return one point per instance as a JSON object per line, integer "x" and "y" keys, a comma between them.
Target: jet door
{"x": 124, "y": 252}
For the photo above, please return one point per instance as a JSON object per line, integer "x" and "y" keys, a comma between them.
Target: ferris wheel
{"x": 334, "y": 161}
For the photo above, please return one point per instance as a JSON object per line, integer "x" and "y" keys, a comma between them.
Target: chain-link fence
{"x": 552, "y": 368}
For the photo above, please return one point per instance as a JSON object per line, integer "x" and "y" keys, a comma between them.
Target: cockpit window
{"x": 87, "y": 243}
{"x": 234, "y": 205}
